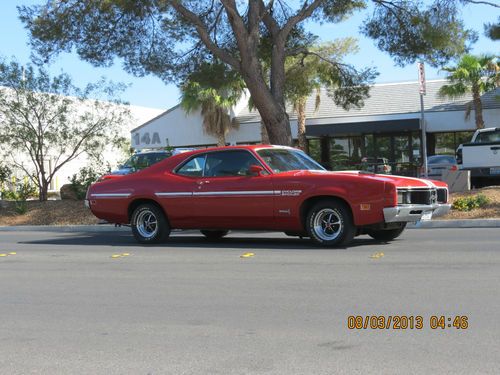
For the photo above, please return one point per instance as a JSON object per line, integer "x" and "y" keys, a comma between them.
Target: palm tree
{"x": 215, "y": 89}
{"x": 475, "y": 75}
{"x": 319, "y": 67}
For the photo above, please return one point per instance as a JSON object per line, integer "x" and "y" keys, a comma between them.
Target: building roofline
{"x": 408, "y": 82}
{"x": 157, "y": 117}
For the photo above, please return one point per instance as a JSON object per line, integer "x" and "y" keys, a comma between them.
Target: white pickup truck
{"x": 482, "y": 157}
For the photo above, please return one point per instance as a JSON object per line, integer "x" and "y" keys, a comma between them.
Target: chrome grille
{"x": 418, "y": 196}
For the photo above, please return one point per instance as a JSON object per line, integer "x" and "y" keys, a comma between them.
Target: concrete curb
{"x": 472, "y": 223}
{"x": 64, "y": 228}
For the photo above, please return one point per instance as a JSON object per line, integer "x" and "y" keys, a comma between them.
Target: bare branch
{"x": 302, "y": 14}
{"x": 482, "y": 2}
{"x": 204, "y": 34}
{"x": 271, "y": 24}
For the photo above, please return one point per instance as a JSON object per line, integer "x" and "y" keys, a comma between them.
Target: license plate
{"x": 427, "y": 215}
{"x": 495, "y": 170}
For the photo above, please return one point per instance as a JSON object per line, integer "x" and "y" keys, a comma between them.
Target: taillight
{"x": 453, "y": 168}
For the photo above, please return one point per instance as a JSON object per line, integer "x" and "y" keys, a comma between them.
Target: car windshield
{"x": 283, "y": 159}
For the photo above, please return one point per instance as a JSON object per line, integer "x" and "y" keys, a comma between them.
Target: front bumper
{"x": 414, "y": 212}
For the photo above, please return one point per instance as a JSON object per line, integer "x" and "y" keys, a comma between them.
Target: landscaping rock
{"x": 68, "y": 193}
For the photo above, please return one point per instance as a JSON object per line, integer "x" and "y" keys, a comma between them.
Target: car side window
{"x": 194, "y": 167}
{"x": 229, "y": 163}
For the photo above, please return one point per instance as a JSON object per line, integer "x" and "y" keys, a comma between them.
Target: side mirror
{"x": 256, "y": 170}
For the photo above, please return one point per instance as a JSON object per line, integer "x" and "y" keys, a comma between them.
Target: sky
{"x": 151, "y": 92}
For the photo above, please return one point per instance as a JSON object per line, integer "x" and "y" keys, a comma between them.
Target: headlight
{"x": 404, "y": 197}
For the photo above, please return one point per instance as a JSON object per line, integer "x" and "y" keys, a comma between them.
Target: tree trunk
{"x": 271, "y": 108}
{"x": 221, "y": 139}
{"x": 43, "y": 190}
{"x": 272, "y": 114}
{"x": 263, "y": 134}
{"x": 478, "y": 108}
{"x": 301, "y": 125}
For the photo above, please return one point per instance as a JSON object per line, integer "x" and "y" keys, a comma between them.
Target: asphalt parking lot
{"x": 191, "y": 307}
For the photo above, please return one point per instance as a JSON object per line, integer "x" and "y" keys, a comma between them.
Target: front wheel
{"x": 330, "y": 223}
{"x": 149, "y": 224}
{"x": 387, "y": 234}
{"x": 214, "y": 235}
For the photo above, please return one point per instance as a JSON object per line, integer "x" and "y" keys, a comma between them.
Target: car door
{"x": 229, "y": 196}
{"x": 176, "y": 192}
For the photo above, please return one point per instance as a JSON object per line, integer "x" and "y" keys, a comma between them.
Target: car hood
{"x": 398, "y": 181}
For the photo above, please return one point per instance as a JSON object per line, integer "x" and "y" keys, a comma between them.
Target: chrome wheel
{"x": 328, "y": 224}
{"x": 147, "y": 224}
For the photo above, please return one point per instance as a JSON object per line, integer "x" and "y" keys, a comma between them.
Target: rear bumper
{"x": 414, "y": 212}
{"x": 483, "y": 172}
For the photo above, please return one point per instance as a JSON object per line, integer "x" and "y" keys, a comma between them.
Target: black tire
{"x": 386, "y": 235}
{"x": 214, "y": 235}
{"x": 156, "y": 231}
{"x": 329, "y": 223}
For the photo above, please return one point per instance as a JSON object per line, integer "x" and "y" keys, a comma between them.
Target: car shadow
{"x": 180, "y": 240}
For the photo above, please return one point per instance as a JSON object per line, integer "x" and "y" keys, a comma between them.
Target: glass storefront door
{"x": 397, "y": 153}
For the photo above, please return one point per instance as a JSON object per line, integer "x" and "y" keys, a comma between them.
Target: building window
{"x": 447, "y": 143}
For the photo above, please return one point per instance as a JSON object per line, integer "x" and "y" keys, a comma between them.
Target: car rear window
{"x": 488, "y": 137}
{"x": 141, "y": 161}
{"x": 441, "y": 159}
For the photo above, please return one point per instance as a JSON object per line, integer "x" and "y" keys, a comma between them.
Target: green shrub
{"x": 5, "y": 173}
{"x": 86, "y": 176}
{"x": 470, "y": 202}
{"x": 21, "y": 207}
{"x": 23, "y": 191}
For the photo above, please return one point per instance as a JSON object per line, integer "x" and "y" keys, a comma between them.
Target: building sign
{"x": 421, "y": 78}
{"x": 146, "y": 139}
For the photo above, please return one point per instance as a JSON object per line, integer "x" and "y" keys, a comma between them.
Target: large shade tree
{"x": 214, "y": 90}
{"x": 320, "y": 67}
{"x": 172, "y": 38}
{"x": 492, "y": 30}
{"x": 475, "y": 75}
{"x": 44, "y": 117}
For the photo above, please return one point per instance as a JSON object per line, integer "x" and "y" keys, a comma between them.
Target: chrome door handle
{"x": 202, "y": 182}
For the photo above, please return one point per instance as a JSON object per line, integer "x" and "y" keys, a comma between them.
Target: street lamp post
{"x": 421, "y": 80}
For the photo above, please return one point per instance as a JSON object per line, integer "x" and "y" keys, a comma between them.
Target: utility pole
{"x": 421, "y": 81}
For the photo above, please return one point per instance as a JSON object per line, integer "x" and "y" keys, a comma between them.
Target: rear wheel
{"x": 214, "y": 235}
{"x": 386, "y": 235}
{"x": 329, "y": 223}
{"x": 149, "y": 224}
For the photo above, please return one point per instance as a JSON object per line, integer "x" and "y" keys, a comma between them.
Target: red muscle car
{"x": 264, "y": 187}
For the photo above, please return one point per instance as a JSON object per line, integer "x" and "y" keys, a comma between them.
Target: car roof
{"x": 239, "y": 147}
{"x": 152, "y": 152}
{"x": 484, "y": 130}
{"x": 174, "y": 160}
